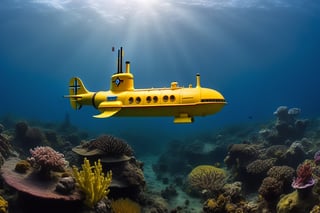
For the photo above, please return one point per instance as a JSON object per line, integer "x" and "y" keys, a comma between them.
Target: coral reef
{"x": 111, "y": 145}
{"x": 292, "y": 203}
{"x": 92, "y": 181}
{"x": 223, "y": 204}
{"x": 207, "y": 179}
{"x": 270, "y": 189}
{"x": 303, "y": 198}
{"x": 260, "y": 167}
{"x": 5, "y": 148}
{"x": 3, "y": 205}
{"x": 46, "y": 160}
{"x": 125, "y": 206}
{"x": 40, "y": 194}
{"x": 116, "y": 155}
{"x": 284, "y": 174}
{"x": 240, "y": 155}
{"x": 304, "y": 177}
{"x": 22, "y": 166}
{"x": 287, "y": 127}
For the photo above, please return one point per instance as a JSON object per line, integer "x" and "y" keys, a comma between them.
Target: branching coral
{"x": 125, "y": 206}
{"x": 110, "y": 145}
{"x": 206, "y": 177}
{"x": 47, "y": 159}
{"x": 92, "y": 181}
{"x": 3, "y": 205}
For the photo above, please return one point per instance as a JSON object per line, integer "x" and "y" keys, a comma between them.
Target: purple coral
{"x": 47, "y": 159}
{"x": 304, "y": 177}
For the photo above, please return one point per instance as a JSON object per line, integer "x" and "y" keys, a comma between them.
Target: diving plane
{"x": 182, "y": 103}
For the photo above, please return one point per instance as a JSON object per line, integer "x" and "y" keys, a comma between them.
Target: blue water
{"x": 258, "y": 54}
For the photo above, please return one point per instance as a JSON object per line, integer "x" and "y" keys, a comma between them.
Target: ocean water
{"x": 258, "y": 54}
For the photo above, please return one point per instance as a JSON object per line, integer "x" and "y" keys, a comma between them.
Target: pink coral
{"x": 47, "y": 159}
{"x": 304, "y": 177}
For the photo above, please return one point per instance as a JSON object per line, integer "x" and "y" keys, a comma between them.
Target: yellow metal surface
{"x": 124, "y": 100}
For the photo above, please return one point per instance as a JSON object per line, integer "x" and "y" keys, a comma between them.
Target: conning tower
{"x": 122, "y": 81}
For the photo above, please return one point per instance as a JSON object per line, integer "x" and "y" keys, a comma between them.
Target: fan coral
{"x": 47, "y": 159}
{"x": 110, "y": 145}
{"x": 92, "y": 181}
{"x": 206, "y": 177}
{"x": 304, "y": 177}
{"x": 125, "y": 206}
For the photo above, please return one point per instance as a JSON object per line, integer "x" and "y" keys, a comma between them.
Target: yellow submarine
{"x": 124, "y": 100}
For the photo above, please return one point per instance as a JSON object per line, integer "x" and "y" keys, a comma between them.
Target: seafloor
{"x": 254, "y": 167}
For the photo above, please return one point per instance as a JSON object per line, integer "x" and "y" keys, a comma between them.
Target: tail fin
{"x": 76, "y": 90}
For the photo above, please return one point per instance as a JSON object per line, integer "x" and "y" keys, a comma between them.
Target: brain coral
{"x": 206, "y": 177}
{"x": 110, "y": 145}
{"x": 283, "y": 173}
{"x": 125, "y": 206}
{"x": 270, "y": 188}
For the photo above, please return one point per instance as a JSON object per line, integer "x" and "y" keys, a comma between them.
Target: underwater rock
{"x": 293, "y": 156}
{"x": 22, "y": 166}
{"x": 169, "y": 192}
{"x": 66, "y": 185}
{"x": 241, "y": 154}
{"x": 292, "y": 203}
{"x": 287, "y": 127}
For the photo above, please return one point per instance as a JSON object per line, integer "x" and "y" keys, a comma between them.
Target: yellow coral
{"x": 3, "y": 205}
{"x": 125, "y": 206}
{"x": 206, "y": 177}
{"x": 92, "y": 181}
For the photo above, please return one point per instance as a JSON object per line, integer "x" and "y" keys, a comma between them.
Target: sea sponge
{"x": 125, "y": 205}
{"x": 3, "y": 205}
{"x": 207, "y": 177}
{"x": 22, "y": 166}
{"x": 111, "y": 145}
{"x": 92, "y": 181}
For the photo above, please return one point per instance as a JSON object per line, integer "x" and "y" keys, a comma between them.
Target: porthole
{"x": 138, "y": 100}
{"x": 130, "y": 100}
{"x": 165, "y": 98}
{"x": 148, "y": 99}
{"x": 172, "y": 98}
{"x": 155, "y": 99}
